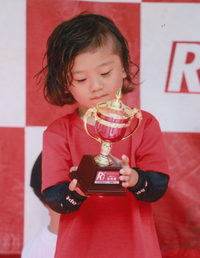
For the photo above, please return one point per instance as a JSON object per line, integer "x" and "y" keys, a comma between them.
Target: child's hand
{"x": 129, "y": 176}
{"x": 73, "y": 185}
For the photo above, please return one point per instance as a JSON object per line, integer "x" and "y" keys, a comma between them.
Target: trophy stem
{"x": 103, "y": 159}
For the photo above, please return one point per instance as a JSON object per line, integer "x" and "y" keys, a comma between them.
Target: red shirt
{"x": 109, "y": 226}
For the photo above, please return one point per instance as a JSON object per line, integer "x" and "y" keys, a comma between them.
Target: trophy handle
{"x": 139, "y": 116}
{"x": 90, "y": 112}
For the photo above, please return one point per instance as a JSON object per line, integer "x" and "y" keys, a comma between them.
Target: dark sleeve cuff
{"x": 61, "y": 199}
{"x": 151, "y": 185}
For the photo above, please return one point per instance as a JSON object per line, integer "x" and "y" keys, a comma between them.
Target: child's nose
{"x": 96, "y": 85}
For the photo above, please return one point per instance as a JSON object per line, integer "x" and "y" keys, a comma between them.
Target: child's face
{"x": 97, "y": 76}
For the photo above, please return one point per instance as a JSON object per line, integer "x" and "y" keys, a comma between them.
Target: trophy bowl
{"x": 99, "y": 175}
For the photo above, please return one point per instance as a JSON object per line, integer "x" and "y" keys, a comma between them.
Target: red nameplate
{"x": 107, "y": 177}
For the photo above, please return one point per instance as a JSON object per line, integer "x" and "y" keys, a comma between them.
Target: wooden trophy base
{"x": 96, "y": 180}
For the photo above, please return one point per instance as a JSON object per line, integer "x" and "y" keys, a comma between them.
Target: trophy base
{"x": 97, "y": 180}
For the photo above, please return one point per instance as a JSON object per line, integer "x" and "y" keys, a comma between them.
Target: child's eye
{"x": 81, "y": 80}
{"x": 103, "y": 74}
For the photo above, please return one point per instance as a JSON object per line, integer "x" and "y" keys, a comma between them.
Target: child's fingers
{"x": 125, "y": 161}
{"x": 73, "y": 169}
{"x": 125, "y": 184}
{"x": 123, "y": 177}
{"x": 72, "y": 185}
{"x": 125, "y": 180}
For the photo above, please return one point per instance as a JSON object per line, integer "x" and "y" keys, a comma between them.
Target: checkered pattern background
{"x": 164, "y": 41}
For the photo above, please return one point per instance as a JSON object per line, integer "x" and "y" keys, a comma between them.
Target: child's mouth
{"x": 99, "y": 97}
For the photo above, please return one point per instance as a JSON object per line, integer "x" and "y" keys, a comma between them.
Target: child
{"x": 87, "y": 62}
{"x": 44, "y": 244}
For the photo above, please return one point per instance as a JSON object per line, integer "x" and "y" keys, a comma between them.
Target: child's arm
{"x": 147, "y": 186}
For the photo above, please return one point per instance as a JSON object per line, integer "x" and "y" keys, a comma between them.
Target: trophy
{"x": 99, "y": 174}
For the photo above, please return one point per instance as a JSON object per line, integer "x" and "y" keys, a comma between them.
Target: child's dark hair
{"x": 83, "y": 33}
